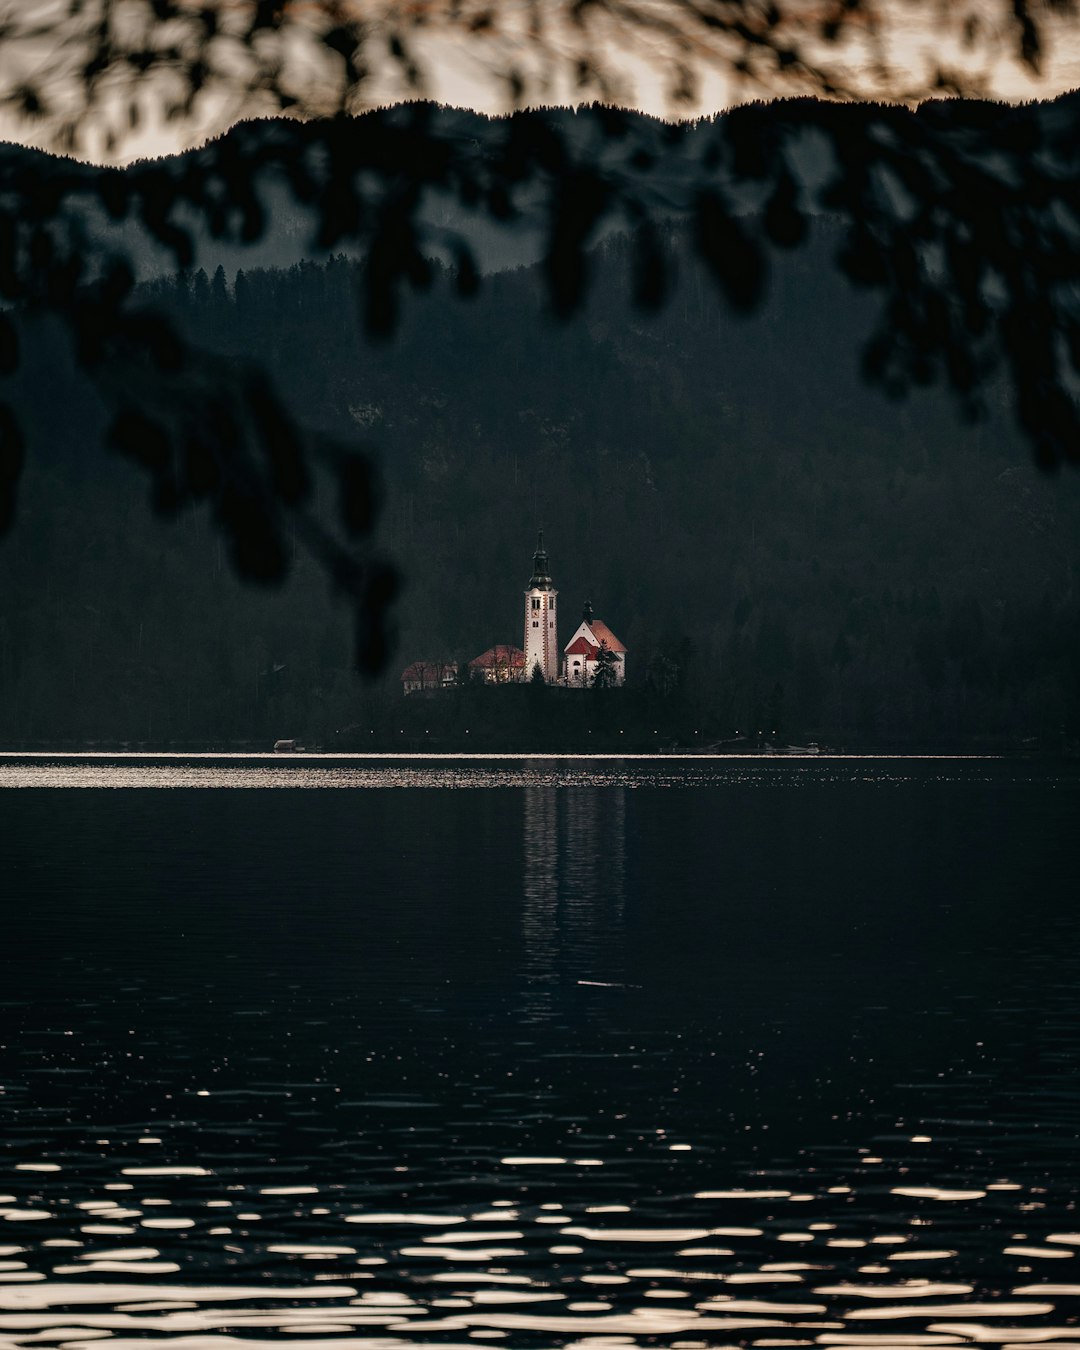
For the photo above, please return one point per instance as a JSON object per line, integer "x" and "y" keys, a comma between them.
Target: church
{"x": 581, "y": 658}
{"x": 576, "y": 665}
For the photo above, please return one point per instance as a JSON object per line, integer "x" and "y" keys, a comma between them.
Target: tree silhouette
{"x": 606, "y": 674}
{"x": 963, "y": 218}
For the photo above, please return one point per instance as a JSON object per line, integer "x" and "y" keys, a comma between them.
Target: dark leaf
{"x": 9, "y": 345}
{"x": 280, "y": 443}
{"x": 201, "y": 470}
{"x": 141, "y": 438}
{"x": 650, "y": 269}
{"x": 12, "y": 455}
{"x": 357, "y": 494}
{"x": 731, "y": 255}
{"x": 749, "y": 143}
{"x": 11, "y": 285}
{"x": 258, "y": 551}
{"x": 862, "y": 260}
{"x": 466, "y": 273}
{"x": 157, "y": 338}
{"x": 785, "y": 224}
{"x": 373, "y": 644}
{"x": 579, "y": 204}
{"x": 380, "y": 302}
{"x": 1030, "y": 41}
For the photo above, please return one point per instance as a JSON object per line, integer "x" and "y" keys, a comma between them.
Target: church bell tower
{"x": 541, "y": 624}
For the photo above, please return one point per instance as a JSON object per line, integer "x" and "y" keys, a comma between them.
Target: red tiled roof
{"x": 499, "y": 656}
{"x": 602, "y": 633}
{"x": 582, "y": 647}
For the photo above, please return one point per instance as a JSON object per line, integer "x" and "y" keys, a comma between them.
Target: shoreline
{"x": 360, "y": 756}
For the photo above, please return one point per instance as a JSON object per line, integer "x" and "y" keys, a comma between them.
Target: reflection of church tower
{"x": 540, "y": 910}
{"x": 541, "y": 641}
{"x": 573, "y": 890}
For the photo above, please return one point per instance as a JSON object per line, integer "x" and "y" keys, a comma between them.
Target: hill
{"x": 731, "y": 496}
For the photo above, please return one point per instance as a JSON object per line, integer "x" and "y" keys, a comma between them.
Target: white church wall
{"x": 541, "y": 622}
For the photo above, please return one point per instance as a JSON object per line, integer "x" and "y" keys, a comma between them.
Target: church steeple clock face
{"x": 541, "y": 624}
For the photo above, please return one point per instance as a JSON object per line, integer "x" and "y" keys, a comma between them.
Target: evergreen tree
{"x": 606, "y": 674}
{"x": 219, "y": 289}
{"x": 884, "y": 625}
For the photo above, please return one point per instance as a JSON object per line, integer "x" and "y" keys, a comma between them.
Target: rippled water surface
{"x": 687, "y": 1053}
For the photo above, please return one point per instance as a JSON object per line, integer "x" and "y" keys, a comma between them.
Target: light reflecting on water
{"x": 308, "y": 771}
{"x": 575, "y": 1065}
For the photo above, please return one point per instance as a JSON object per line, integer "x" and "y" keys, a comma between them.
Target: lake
{"x": 386, "y": 1052}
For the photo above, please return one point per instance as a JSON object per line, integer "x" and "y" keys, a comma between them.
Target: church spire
{"x": 541, "y": 624}
{"x": 541, "y": 577}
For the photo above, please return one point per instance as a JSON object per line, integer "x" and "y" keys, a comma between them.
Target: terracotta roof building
{"x": 581, "y": 655}
{"x": 581, "y": 646}
{"x": 593, "y": 656}
{"x": 423, "y": 677}
{"x": 501, "y": 664}
{"x": 602, "y": 633}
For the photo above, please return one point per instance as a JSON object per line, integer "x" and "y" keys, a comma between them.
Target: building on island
{"x": 424, "y": 677}
{"x": 541, "y": 622}
{"x": 579, "y": 664}
{"x": 582, "y": 656}
{"x": 582, "y": 653}
{"x": 500, "y": 664}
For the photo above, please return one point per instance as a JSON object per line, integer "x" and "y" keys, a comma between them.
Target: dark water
{"x": 604, "y": 1053}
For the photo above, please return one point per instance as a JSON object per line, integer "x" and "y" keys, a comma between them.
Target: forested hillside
{"x": 740, "y": 508}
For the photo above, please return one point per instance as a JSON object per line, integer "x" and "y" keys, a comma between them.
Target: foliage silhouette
{"x": 962, "y": 218}
{"x": 606, "y": 674}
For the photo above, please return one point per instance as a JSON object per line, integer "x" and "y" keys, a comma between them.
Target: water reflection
{"x": 574, "y": 852}
{"x": 317, "y": 771}
{"x": 540, "y": 895}
{"x": 310, "y": 1073}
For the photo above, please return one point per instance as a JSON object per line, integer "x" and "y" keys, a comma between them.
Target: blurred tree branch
{"x": 964, "y": 218}
{"x": 84, "y": 76}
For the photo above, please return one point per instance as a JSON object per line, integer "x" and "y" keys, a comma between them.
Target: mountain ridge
{"x": 283, "y": 227}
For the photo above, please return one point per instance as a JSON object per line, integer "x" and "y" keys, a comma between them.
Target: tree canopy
{"x": 905, "y": 585}
{"x": 606, "y": 674}
{"x": 961, "y": 217}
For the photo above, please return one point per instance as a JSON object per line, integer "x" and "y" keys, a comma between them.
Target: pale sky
{"x": 917, "y": 40}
